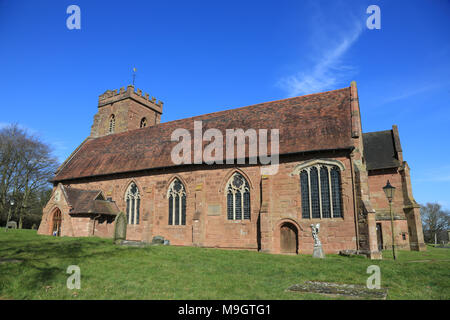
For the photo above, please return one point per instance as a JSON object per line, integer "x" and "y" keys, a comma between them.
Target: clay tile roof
{"x": 89, "y": 201}
{"x": 379, "y": 150}
{"x": 308, "y": 123}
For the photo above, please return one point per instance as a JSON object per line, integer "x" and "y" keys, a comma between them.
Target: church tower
{"x": 125, "y": 110}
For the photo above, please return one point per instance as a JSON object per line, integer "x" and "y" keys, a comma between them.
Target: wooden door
{"x": 288, "y": 238}
{"x": 379, "y": 237}
{"x": 56, "y": 230}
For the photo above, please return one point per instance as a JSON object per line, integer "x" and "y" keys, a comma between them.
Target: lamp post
{"x": 389, "y": 191}
{"x": 11, "y": 202}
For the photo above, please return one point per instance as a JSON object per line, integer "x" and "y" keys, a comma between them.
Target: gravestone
{"x": 120, "y": 227}
{"x": 340, "y": 289}
{"x": 158, "y": 240}
{"x": 11, "y": 225}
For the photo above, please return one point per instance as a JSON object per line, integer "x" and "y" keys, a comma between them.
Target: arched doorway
{"x": 288, "y": 238}
{"x": 56, "y": 223}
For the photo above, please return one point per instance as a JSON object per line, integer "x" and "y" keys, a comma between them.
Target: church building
{"x": 329, "y": 172}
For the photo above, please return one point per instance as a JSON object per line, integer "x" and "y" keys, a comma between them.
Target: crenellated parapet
{"x": 125, "y": 109}
{"x": 113, "y": 96}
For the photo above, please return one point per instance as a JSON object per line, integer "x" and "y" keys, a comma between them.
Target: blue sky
{"x": 205, "y": 56}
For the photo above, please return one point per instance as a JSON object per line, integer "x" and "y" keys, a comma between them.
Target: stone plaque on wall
{"x": 214, "y": 209}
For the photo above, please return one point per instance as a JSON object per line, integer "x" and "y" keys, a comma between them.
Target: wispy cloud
{"x": 435, "y": 178}
{"x": 414, "y": 91}
{"x": 436, "y": 174}
{"x": 328, "y": 69}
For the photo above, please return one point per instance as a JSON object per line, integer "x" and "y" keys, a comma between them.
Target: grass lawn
{"x": 166, "y": 272}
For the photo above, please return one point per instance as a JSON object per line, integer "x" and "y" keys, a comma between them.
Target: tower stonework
{"x": 129, "y": 109}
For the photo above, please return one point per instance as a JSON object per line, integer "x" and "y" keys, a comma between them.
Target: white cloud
{"x": 327, "y": 70}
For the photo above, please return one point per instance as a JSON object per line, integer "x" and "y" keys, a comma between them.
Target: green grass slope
{"x": 110, "y": 271}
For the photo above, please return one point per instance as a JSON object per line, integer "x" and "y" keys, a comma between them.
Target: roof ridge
{"x": 257, "y": 104}
{"x": 78, "y": 189}
{"x": 388, "y": 130}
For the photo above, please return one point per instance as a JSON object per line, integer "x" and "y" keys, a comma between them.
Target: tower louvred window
{"x": 112, "y": 123}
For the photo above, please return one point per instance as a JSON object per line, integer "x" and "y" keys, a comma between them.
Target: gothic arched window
{"x": 133, "y": 201}
{"x": 177, "y": 203}
{"x": 112, "y": 123}
{"x": 143, "y": 123}
{"x": 321, "y": 192}
{"x": 238, "y": 198}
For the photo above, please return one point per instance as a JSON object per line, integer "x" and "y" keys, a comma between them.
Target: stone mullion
{"x": 133, "y": 214}
{"x": 180, "y": 195}
{"x": 180, "y": 207}
{"x": 309, "y": 192}
{"x": 130, "y": 218}
{"x": 234, "y": 204}
{"x": 242, "y": 204}
{"x": 330, "y": 191}
{"x": 135, "y": 210}
{"x": 320, "y": 190}
{"x": 173, "y": 209}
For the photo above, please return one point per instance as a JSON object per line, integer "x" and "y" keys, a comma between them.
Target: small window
{"x": 112, "y": 123}
{"x": 143, "y": 123}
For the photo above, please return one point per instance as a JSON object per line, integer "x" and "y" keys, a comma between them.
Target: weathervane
{"x": 134, "y": 75}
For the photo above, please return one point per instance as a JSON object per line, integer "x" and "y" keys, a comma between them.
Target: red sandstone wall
{"x": 400, "y": 227}
{"x": 136, "y": 112}
{"x": 377, "y": 180}
{"x": 73, "y": 226}
{"x": 47, "y": 217}
{"x": 104, "y": 227}
{"x": 335, "y": 234}
{"x": 207, "y": 202}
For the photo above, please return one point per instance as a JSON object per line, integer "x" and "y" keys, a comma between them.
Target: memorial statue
{"x": 318, "y": 251}
{"x": 315, "y": 232}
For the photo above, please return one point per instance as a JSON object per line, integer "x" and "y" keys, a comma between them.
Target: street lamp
{"x": 11, "y": 202}
{"x": 389, "y": 191}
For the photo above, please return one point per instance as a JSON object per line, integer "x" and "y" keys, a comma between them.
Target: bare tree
{"x": 435, "y": 221}
{"x": 26, "y": 165}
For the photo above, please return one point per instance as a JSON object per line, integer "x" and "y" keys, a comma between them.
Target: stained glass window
{"x": 177, "y": 203}
{"x": 320, "y": 188}
{"x": 238, "y": 198}
{"x": 133, "y": 200}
